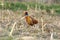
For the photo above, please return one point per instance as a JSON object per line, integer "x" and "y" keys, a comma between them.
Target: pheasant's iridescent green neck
{"x": 26, "y": 14}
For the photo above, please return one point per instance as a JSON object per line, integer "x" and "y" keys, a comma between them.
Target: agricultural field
{"x": 14, "y": 27}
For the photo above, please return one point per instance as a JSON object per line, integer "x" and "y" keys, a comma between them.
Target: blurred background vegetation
{"x": 23, "y": 4}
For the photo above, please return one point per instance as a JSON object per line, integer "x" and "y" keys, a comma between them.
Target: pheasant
{"x": 30, "y": 21}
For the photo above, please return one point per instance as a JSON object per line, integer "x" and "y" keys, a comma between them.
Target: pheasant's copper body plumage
{"x": 31, "y": 21}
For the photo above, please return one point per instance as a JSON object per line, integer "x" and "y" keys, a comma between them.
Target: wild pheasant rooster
{"x": 31, "y": 21}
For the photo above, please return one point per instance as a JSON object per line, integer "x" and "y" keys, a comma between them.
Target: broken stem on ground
{"x": 12, "y": 29}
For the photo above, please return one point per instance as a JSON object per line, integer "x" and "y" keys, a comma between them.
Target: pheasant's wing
{"x": 34, "y": 21}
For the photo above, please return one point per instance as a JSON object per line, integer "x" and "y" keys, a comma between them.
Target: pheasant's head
{"x": 26, "y": 13}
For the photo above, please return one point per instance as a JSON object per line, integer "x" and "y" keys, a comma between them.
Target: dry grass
{"x": 19, "y": 30}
